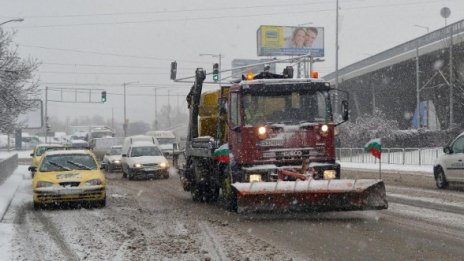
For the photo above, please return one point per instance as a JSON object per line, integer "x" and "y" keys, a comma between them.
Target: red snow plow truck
{"x": 267, "y": 143}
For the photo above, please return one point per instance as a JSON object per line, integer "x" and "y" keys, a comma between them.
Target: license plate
{"x": 68, "y": 176}
{"x": 149, "y": 169}
{"x": 70, "y": 191}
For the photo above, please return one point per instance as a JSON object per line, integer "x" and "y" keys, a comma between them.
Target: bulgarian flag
{"x": 374, "y": 146}
{"x": 221, "y": 154}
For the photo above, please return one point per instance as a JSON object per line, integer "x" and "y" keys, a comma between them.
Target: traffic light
{"x": 173, "y": 70}
{"x": 103, "y": 96}
{"x": 215, "y": 72}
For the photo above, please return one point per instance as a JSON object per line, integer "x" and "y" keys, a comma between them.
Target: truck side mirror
{"x": 124, "y": 155}
{"x": 32, "y": 154}
{"x": 345, "y": 115}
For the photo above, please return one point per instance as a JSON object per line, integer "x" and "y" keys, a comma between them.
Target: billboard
{"x": 32, "y": 119}
{"x": 290, "y": 40}
{"x": 237, "y": 72}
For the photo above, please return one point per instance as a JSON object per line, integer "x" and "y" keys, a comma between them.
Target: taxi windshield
{"x": 68, "y": 162}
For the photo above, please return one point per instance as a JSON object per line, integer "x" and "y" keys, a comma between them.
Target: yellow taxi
{"x": 39, "y": 150}
{"x": 68, "y": 176}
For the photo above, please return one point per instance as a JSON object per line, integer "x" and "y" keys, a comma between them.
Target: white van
{"x": 449, "y": 167}
{"x": 141, "y": 157}
{"x": 166, "y": 140}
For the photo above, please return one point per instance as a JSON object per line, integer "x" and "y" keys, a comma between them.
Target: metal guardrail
{"x": 8, "y": 166}
{"x": 401, "y": 156}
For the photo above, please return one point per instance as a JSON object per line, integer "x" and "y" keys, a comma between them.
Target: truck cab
{"x": 275, "y": 123}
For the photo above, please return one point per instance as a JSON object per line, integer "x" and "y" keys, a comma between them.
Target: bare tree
{"x": 17, "y": 84}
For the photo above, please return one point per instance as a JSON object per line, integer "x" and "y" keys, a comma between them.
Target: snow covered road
{"x": 157, "y": 220}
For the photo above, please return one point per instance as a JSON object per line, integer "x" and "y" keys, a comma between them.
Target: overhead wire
{"x": 229, "y": 16}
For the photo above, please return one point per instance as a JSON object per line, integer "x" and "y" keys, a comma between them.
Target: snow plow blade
{"x": 311, "y": 195}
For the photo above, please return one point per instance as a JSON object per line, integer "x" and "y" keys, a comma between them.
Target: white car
{"x": 112, "y": 159}
{"x": 144, "y": 159}
{"x": 449, "y": 168}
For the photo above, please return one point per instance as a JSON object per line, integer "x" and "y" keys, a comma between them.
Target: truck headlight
{"x": 255, "y": 178}
{"x": 330, "y": 174}
{"x": 93, "y": 182}
{"x": 164, "y": 165}
{"x": 137, "y": 165}
{"x": 116, "y": 162}
{"x": 324, "y": 128}
{"x": 262, "y": 130}
{"x": 44, "y": 184}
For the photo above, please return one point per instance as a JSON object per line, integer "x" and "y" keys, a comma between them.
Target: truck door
{"x": 235, "y": 141}
{"x": 455, "y": 161}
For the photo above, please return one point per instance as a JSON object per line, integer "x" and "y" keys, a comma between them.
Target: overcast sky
{"x": 101, "y": 44}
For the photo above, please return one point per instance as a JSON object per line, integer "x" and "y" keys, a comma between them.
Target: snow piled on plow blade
{"x": 311, "y": 195}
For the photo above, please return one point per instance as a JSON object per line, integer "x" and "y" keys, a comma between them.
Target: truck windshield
{"x": 287, "y": 108}
{"x": 145, "y": 151}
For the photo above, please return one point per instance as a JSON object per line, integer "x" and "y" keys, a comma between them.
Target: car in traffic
{"x": 449, "y": 167}
{"x": 68, "y": 176}
{"x": 78, "y": 145}
{"x": 112, "y": 159}
{"x": 143, "y": 159}
{"x": 39, "y": 150}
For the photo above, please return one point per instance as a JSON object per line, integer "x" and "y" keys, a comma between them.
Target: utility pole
{"x": 336, "y": 47}
{"x": 451, "y": 122}
{"x": 156, "y": 110}
{"x": 124, "y": 124}
{"x": 46, "y": 114}
{"x": 419, "y": 120}
{"x": 169, "y": 107}
{"x": 336, "y": 54}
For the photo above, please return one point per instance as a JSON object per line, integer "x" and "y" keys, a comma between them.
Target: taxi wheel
{"x": 166, "y": 176}
{"x": 129, "y": 175}
{"x": 108, "y": 168}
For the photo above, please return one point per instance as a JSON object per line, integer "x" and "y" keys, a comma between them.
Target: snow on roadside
{"x": 410, "y": 169}
{"x": 7, "y": 233}
{"x": 8, "y": 188}
{"x": 7, "y": 191}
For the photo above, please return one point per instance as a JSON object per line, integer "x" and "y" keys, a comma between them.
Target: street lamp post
{"x": 220, "y": 56}
{"x": 12, "y": 20}
{"x": 125, "y": 123}
{"x": 419, "y": 116}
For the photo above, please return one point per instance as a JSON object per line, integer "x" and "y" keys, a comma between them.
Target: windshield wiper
{"x": 79, "y": 165}
{"x": 58, "y": 165}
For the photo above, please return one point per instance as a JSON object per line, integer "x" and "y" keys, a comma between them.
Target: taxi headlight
{"x": 93, "y": 182}
{"x": 255, "y": 178}
{"x": 164, "y": 165}
{"x": 262, "y": 130}
{"x": 137, "y": 165}
{"x": 330, "y": 174}
{"x": 44, "y": 184}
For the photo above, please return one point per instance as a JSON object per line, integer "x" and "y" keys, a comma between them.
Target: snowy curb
{"x": 416, "y": 170}
{"x": 8, "y": 190}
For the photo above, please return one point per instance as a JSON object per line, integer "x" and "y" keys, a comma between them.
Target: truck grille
{"x": 150, "y": 165}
